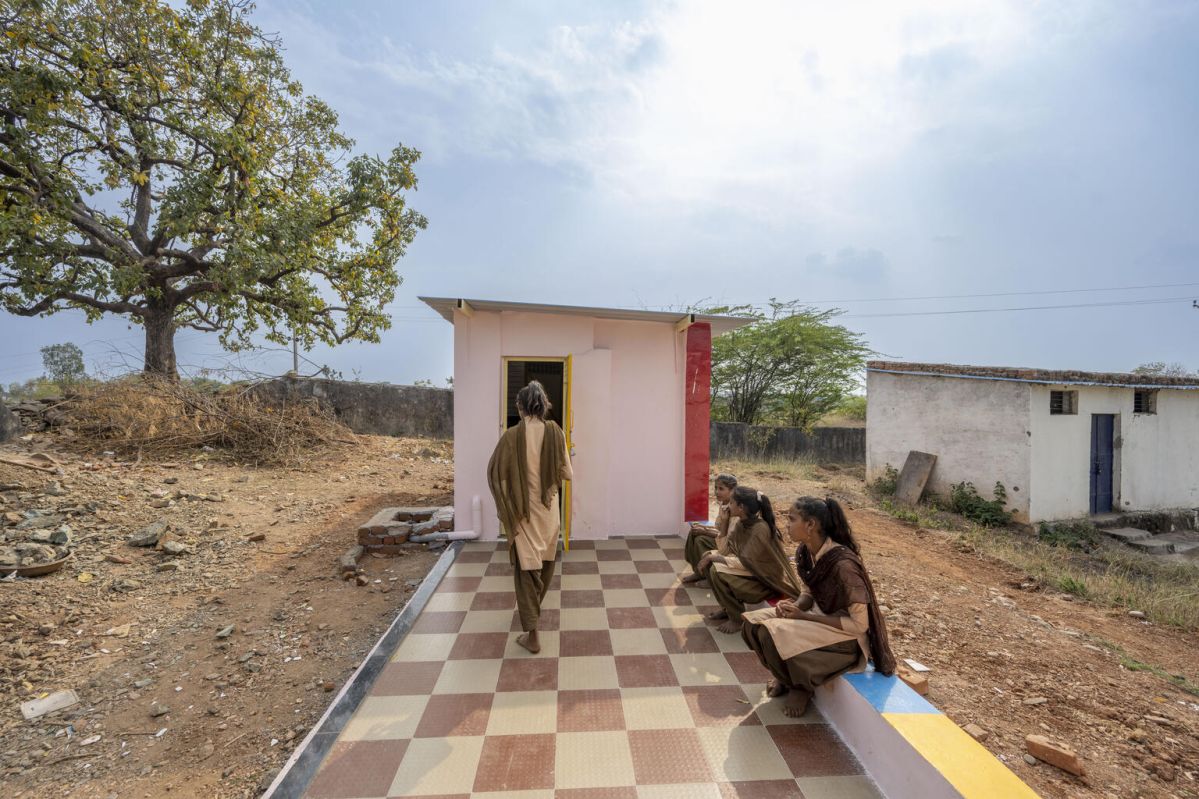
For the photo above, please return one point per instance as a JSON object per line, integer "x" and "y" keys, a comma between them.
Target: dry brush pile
{"x": 144, "y": 417}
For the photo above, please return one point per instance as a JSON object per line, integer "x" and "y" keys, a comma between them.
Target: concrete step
{"x": 1183, "y": 541}
{"x": 1127, "y": 534}
{"x": 1154, "y": 545}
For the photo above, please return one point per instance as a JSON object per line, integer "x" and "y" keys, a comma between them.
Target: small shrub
{"x": 887, "y": 482}
{"x": 964, "y": 499}
{"x": 902, "y": 513}
{"x": 1081, "y": 536}
{"x": 1072, "y": 586}
{"x": 852, "y": 408}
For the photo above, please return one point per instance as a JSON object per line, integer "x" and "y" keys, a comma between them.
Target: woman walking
{"x": 528, "y": 465}
{"x": 835, "y": 625}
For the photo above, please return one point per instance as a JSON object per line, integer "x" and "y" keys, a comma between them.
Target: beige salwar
{"x": 807, "y": 671}
{"x": 714, "y": 538}
{"x": 536, "y": 538}
{"x": 734, "y": 592}
{"x": 795, "y": 639}
{"x": 531, "y": 587}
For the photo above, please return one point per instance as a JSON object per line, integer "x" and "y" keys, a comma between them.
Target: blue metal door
{"x": 1102, "y": 430}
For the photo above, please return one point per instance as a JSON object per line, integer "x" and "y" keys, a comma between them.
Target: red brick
{"x": 1054, "y": 753}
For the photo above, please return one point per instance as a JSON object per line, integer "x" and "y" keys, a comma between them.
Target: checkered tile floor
{"x": 633, "y": 695}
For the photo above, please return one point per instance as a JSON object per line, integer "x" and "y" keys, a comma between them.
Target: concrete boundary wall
{"x": 822, "y": 444}
{"x": 380, "y": 409}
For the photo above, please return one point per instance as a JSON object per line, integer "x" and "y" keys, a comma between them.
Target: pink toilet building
{"x": 631, "y": 389}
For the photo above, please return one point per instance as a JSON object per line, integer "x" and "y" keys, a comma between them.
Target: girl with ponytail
{"x": 835, "y": 624}
{"x": 754, "y": 567}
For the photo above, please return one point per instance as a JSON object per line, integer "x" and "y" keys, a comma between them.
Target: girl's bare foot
{"x": 796, "y": 704}
{"x": 775, "y": 689}
{"x": 718, "y": 615}
{"x": 529, "y": 641}
{"x": 730, "y": 626}
{"x": 693, "y": 578}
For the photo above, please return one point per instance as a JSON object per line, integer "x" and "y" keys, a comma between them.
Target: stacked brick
{"x": 388, "y": 530}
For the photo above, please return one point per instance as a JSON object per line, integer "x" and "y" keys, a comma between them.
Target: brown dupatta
{"x": 838, "y": 580}
{"x": 507, "y": 472}
{"x": 761, "y": 552}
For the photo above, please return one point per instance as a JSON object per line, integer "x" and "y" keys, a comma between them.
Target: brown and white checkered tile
{"x": 633, "y": 695}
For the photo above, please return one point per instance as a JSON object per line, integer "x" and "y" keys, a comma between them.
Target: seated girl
{"x": 704, "y": 538}
{"x": 835, "y": 625}
{"x": 753, "y": 568}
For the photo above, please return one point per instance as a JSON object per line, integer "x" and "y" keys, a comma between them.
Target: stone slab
{"x": 1127, "y": 534}
{"x": 914, "y": 477}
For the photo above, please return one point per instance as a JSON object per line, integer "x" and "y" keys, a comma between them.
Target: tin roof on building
{"x": 1056, "y": 377}
{"x": 447, "y": 305}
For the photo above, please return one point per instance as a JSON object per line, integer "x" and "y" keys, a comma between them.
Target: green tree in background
{"x": 790, "y": 366}
{"x": 63, "y": 364}
{"x": 1163, "y": 369}
{"x": 158, "y": 162}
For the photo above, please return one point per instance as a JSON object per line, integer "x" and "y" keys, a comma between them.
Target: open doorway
{"x": 519, "y": 373}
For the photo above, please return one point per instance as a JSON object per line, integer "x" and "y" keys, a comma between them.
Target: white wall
{"x": 628, "y": 408}
{"x": 978, "y": 429}
{"x": 1156, "y": 464}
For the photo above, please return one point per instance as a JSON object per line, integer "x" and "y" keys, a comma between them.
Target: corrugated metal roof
{"x": 1055, "y": 377}
{"x": 447, "y": 305}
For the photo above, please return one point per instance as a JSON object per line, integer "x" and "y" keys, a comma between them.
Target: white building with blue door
{"x": 1064, "y": 444}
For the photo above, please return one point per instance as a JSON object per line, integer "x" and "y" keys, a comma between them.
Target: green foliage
{"x": 901, "y": 512}
{"x": 790, "y": 366}
{"x": 35, "y": 389}
{"x": 1163, "y": 369}
{"x": 63, "y": 364}
{"x": 1074, "y": 586}
{"x": 886, "y": 483}
{"x": 760, "y": 439}
{"x": 964, "y": 499}
{"x": 852, "y": 408}
{"x": 1081, "y": 535}
{"x": 160, "y": 163}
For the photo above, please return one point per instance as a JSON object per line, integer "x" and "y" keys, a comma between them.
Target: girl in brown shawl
{"x": 529, "y": 463}
{"x": 835, "y": 625}
{"x": 753, "y": 567}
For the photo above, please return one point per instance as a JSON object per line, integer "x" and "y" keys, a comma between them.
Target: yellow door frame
{"x": 567, "y": 422}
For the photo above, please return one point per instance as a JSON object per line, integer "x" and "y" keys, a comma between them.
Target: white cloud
{"x": 759, "y": 106}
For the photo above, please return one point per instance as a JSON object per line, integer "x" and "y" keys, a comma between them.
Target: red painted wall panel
{"x": 698, "y": 417}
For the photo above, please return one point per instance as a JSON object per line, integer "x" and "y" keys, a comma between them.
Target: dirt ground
{"x": 128, "y": 635}
{"x": 1018, "y": 660}
{"x": 125, "y": 636}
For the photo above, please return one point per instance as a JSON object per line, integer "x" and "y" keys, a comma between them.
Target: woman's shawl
{"x": 508, "y": 472}
{"x": 838, "y": 580}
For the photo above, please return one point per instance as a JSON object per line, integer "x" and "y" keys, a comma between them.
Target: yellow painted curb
{"x": 963, "y": 761}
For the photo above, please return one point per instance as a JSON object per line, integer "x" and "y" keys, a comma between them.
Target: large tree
{"x": 160, "y": 163}
{"x": 791, "y": 365}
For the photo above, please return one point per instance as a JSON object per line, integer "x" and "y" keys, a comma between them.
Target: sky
{"x": 861, "y": 156}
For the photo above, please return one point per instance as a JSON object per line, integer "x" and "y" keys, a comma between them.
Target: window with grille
{"x": 1144, "y": 401}
{"x": 1063, "y": 402}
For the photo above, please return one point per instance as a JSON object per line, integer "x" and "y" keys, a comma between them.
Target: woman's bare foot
{"x": 529, "y": 641}
{"x": 730, "y": 626}
{"x": 775, "y": 689}
{"x": 796, "y": 704}
{"x": 703, "y": 584}
{"x": 693, "y": 578}
{"x": 718, "y": 615}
